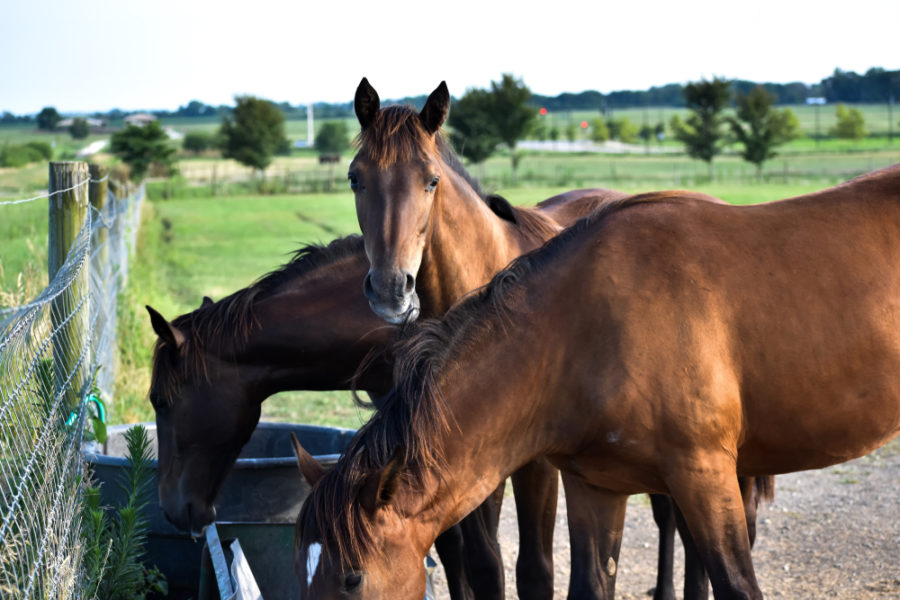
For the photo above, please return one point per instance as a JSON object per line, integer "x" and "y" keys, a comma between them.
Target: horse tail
{"x": 765, "y": 488}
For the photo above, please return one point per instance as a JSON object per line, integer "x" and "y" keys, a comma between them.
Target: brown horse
{"x": 665, "y": 344}
{"x": 432, "y": 236}
{"x": 302, "y": 327}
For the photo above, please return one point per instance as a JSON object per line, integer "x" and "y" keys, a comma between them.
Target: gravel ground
{"x": 830, "y": 533}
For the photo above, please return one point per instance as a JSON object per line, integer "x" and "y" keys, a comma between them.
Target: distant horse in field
{"x": 665, "y": 344}
{"x": 432, "y": 236}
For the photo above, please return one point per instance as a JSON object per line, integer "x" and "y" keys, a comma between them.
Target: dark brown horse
{"x": 665, "y": 344}
{"x": 432, "y": 236}
{"x": 302, "y": 327}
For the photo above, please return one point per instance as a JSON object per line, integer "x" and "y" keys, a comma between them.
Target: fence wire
{"x": 42, "y": 408}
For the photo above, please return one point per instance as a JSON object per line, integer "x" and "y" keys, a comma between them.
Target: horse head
{"x": 204, "y": 416}
{"x": 396, "y": 177}
{"x": 381, "y": 560}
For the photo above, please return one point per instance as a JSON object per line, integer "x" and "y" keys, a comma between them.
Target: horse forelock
{"x": 227, "y": 324}
{"x": 395, "y": 136}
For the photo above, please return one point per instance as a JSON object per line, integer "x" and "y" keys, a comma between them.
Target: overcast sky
{"x": 92, "y": 55}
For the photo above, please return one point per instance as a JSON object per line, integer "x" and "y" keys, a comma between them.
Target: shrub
{"x": 197, "y": 141}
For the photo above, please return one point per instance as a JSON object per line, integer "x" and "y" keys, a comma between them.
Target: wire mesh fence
{"x": 55, "y": 351}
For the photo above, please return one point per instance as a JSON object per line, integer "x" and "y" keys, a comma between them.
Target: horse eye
{"x": 433, "y": 184}
{"x": 352, "y": 582}
{"x": 354, "y": 181}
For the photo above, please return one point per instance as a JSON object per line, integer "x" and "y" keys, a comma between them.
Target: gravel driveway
{"x": 830, "y": 533}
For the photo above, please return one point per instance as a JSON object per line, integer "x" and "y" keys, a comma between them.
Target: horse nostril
{"x": 410, "y": 284}
{"x": 368, "y": 290}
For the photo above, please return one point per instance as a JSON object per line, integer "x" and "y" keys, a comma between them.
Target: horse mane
{"x": 219, "y": 324}
{"x": 410, "y": 417}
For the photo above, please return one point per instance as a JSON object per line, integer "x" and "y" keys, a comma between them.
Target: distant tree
{"x": 79, "y": 129}
{"x": 197, "y": 141}
{"x": 623, "y": 130}
{"x": 760, "y": 127}
{"x": 48, "y": 118}
{"x": 851, "y": 125}
{"x": 143, "y": 147}
{"x": 332, "y": 138}
{"x": 254, "y": 132}
{"x": 600, "y": 131}
{"x": 646, "y": 133}
{"x": 472, "y": 131}
{"x": 554, "y": 133}
{"x": 512, "y": 116}
{"x": 571, "y": 132}
{"x": 660, "y": 132}
{"x": 702, "y": 133}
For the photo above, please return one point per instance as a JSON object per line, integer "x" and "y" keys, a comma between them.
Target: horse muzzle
{"x": 393, "y": 298}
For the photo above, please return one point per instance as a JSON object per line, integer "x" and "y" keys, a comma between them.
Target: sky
{"x": 93, "y": 55}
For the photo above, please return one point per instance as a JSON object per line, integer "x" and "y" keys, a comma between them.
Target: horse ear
{"x": 311, "y": 469}
{"x": 380, "y": 488}
{"x": 501, "y": 207}
{"x": 164, "y": 329}
{"x": 436, "y": 108}
{"x": 366, "y": 103}
{"x": 206, "y": 302}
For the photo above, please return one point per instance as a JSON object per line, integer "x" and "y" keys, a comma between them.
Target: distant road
{"x": 608, "y": 147}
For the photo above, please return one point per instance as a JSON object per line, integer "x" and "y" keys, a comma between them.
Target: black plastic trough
{"x": 261, "y": 497}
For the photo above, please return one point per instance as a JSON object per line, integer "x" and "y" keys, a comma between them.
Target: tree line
{"x": 876, "y": 85}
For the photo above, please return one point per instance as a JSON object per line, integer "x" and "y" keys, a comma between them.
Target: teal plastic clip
{"x": 97, "y": 402}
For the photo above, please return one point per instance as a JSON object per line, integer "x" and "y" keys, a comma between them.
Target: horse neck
{"x": 315, "y": 334}
{"x": 484, "y": 395}
{"x": 467, "y": 244}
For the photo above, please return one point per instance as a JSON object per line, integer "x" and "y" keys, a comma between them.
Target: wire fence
{"x": 56, "y": 350}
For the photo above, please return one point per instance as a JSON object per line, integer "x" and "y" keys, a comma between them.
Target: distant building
{"x": 66, "y": 123}
{"x": 139, "y": 119}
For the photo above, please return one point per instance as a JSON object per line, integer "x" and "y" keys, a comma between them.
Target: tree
{"x": 141, "y": 147}
{"x": 254, "y": 132}
{"x": 623, "y": 130}
{"x": 332, "y": 138}
{"x": 701, "y": 133}
{"x": 197, "y": 141}
{"x": 511, "y": 115}
{"x": 760, "y": 128}
{"x": 48, "y": 118}
{"x": 600, "y": 131}
{"x": 471, "y": 122}
{"x": 850, "y": 124}
{"x": 79, "y": 129}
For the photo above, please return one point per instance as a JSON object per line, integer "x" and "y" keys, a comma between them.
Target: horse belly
{"x": 829, "y": 431}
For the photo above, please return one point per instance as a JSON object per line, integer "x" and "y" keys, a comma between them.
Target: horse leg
{"x": 482, "y": 559}
{"x": 696, "y": 583}
{"x": 705, "y": 488}
{"x": 449, "y": 547}
{"x": 536, "y": 487}
{"x": 596, "y": 521}
{"x": 664, "y": 515}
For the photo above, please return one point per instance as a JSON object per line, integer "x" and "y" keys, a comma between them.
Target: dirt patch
{"x": 830, "y": 533}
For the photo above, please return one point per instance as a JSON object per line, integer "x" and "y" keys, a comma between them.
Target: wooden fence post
{"x": 68, "y": 212}
{"x": 97, "y": 192}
